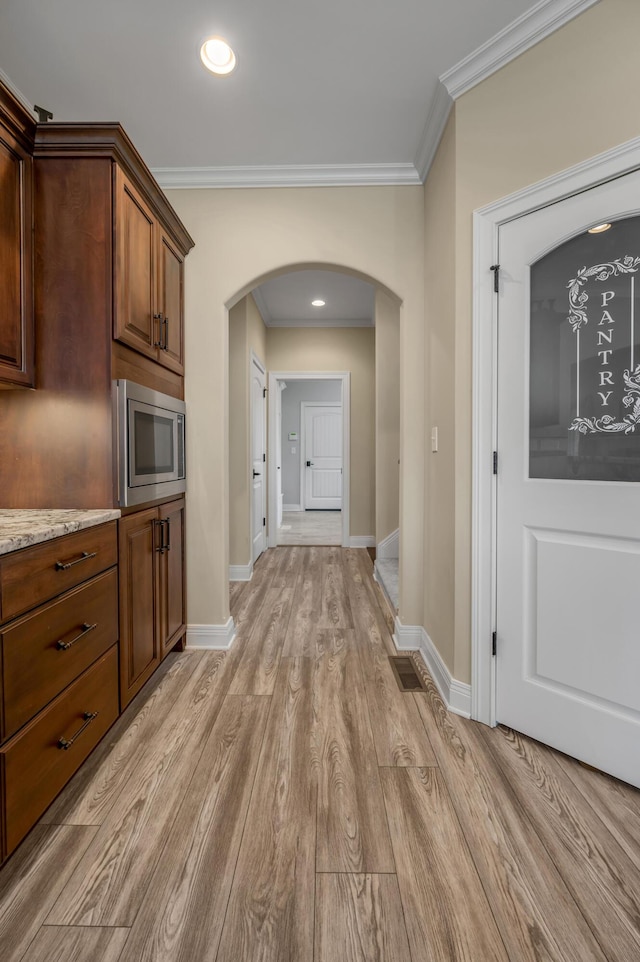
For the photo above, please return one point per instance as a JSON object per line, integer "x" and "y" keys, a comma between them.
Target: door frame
{"x": 345, "y": 400}
{"x": 487, "y": 222}
{"x": 255, "y": 360}
{"x": 303, "y": 406}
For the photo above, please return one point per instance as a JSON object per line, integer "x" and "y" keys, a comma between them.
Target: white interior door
{"x": 322, "y": 456}
{"x": 258, "y": 460}
{"x": 568, "y": 482}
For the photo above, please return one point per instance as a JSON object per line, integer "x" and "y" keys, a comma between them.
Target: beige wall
{"x": 247, "y": 333}
{"x": 336, "y": 349}
{"x": 387, "y": 406}
{"x": 440, "y": 307}
{"x": 565, "y": 100}
{"x": 242, "y": 236}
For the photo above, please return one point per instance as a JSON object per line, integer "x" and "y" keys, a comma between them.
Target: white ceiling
{"x": 285, "y": 301}
{"x": 341, "y": 82}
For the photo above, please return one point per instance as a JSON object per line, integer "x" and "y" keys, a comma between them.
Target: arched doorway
{"x": 320, "y": 350}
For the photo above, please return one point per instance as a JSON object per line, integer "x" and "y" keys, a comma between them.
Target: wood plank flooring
{"x": 286, "y": 802}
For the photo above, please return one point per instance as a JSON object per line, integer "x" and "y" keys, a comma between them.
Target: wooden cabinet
{"x": 151, "y": 574}
{"x": 16, "y": 243}
{"x": 110, "y": 252}
{"x": 149, "y": 281}
{"x": 58, "y": 669}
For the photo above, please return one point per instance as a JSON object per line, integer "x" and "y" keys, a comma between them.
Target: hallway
{"x": 286, "y": 802}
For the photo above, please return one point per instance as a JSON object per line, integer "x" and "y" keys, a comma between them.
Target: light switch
{"x": 293, "y": 450}
{"x": 434, "y": 439}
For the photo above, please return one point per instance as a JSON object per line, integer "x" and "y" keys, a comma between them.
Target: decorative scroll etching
{"x": 607, "y": 424}
{"x": 578, "y": 298}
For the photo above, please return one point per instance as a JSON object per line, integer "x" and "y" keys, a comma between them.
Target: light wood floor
{"x": 285, "y": 802}
{"x": 311, "y": 527}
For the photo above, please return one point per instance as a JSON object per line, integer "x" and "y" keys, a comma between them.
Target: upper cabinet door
{"x": 16, "y": 263}
{"x": 135, "y": 270}
{"x": 171, "y": 305}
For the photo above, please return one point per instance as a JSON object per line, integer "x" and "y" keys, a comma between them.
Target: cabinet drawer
{"x": 34, "y": 575}
{"x": 35, "y": 766}
{"x": 45, "y": 651}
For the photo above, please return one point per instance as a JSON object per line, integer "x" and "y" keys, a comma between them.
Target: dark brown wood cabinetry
{"x": 149, "y": 272}
{"x": 109, "y": 255}
{"x": 17, "y": 130}
{"x": 152, "y": 609}
{"x": 58, "y": 669}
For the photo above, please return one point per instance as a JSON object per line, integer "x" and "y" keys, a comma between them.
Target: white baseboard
{"x": 456, "y": 694}
{"x": 292, "y": 507}
{"x": 389, "y": 547}
{"x": 211, "y": 637}
{"x": 362, "y": 541}
{"x": 383, "y": 588}
{"x": 241, "y": 572}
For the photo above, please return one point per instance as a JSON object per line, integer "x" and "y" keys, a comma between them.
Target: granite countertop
{"x": 21, "y": 527}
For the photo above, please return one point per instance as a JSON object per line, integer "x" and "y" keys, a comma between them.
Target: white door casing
{"x": 321, "y": 462}
{"x": 258, "y": 458}
{"x": 345, "y": 378}
{"x": 278, "y": 446}
{"x": 487, "y": 222}
{"x": 568, "y": 541}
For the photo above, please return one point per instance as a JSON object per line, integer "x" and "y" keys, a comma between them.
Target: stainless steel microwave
{"x": 149, "y": 443}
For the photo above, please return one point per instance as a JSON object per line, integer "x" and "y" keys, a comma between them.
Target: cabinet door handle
{"x": 66, "y": 743}
{"x": 158, "y": 317}
{"x": 167, "y": 521}
{"x": 65, "y": 645}
{"x": 159, "y": 525}
{"x": 65, "y": 565}
{"x": 165, "y": 324}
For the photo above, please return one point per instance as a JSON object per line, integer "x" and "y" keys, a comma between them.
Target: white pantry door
{"x": 322, "y": 456}
{"x": 568, "y": 481}
{"x": 258, "y": 460}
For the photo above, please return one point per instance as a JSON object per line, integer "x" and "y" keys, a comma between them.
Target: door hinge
{"x": 264, "y": 392}
{"x": 493, "y": 643}
{"x": 495, "y": 462}
{"x": 496, "y": 277}
{"x": 264, "y": 522}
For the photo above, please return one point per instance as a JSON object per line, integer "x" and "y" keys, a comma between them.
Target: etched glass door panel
{"x": 584, "y": 384}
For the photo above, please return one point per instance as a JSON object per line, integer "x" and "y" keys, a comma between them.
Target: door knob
{"x": 309, "y": 464}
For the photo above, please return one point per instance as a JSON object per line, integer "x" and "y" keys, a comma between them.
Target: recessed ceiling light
{"x": 318, "y": 303}
{"x": 599, "y": 229}
{"x": 217, "y": 55}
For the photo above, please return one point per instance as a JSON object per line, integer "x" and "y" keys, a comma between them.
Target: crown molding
{"x": 436, "y": 121}
{"x": 294, "y": 175}
{"x": 326, "y": 322}
{"x": 17, "y": 93}
{"x": 529, "y": 29}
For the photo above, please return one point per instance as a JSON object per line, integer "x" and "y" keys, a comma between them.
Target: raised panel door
{"x": 138, "y": 579}
{"x": 135, "y": 270}
{"x": 171, "y": 300}
{"x": 16, "y": 257}
{"x": 171, "y": 592}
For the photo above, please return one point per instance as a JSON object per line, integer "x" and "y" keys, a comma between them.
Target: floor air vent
{"x": 406, "y": 675}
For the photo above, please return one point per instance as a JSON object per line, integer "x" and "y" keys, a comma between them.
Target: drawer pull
{"x": 64, "y": 645}
{"x": 65, "y": 743}
{"x": 65, "y": 565}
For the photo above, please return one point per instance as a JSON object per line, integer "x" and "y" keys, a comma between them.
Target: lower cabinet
{"x": 151, "y": 575}
{"x": 58, "y": 668}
